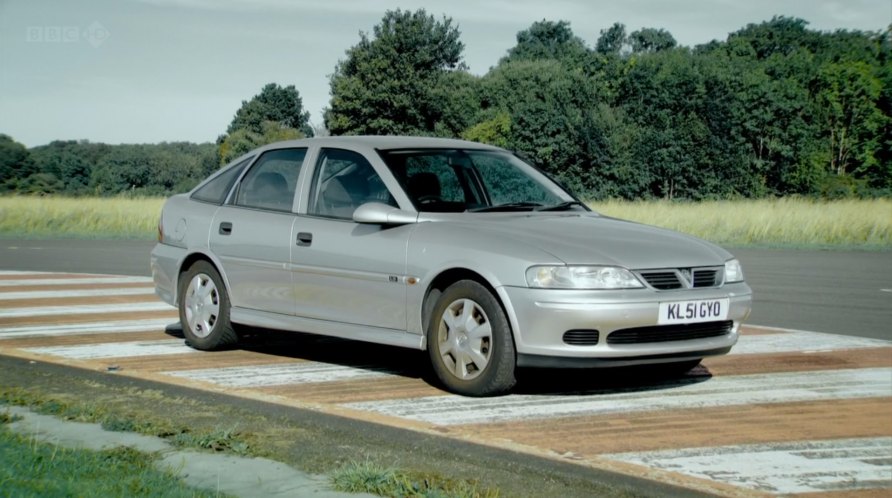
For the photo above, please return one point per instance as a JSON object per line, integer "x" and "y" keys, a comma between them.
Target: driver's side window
{"x": 430, "y": 178}
{"x": 344, "y": 180}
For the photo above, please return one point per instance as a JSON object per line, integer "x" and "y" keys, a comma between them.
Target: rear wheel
{"x": 204, "y": 308}
{"x": 469, "y": 341}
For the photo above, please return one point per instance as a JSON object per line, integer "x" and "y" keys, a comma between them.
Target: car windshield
{"x": 454, "y": 181}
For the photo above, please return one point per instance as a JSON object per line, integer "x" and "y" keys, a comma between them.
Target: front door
{"x": 345, "y": 271}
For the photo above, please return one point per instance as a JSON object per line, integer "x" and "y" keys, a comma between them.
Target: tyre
{"x": 681, "y": 367}
{"x": 674, "y": 369}
{"x": 469, "y": 341}
{"x": 204, "y": 308}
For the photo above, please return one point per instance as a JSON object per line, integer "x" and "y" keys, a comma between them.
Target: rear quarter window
{"x": 215, "y": 191}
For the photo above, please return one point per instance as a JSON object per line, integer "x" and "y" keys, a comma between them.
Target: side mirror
{"x": 382, "y": 214}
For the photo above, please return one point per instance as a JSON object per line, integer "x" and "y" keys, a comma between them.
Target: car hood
{"x": 595, "y": 240}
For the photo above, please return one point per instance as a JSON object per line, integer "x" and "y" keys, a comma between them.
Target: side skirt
{"x": 390, "y": 337}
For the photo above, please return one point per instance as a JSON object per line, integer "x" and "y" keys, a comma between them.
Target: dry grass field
{"x": 773, "y": 222}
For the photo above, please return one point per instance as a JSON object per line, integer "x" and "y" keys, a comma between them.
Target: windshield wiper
{"x": 508, "y": 206}
{"x": 563, "y": 206}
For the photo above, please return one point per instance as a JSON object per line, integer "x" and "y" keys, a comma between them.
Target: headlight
{"x": 733, "y": 271}
{"x": 581, "y": 277}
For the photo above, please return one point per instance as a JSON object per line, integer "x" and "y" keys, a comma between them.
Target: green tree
{"x": 16, "y": 163}
{"x": 244, "y": 140}
{"x": 494, "y": 131}
{"x": 548, "y": 40}
{"x": 612, "y": 40}
{"x": 848, "y": 100}
{"x": 397, "y": 82}
{"x": 546, "y": 104}
{"x": 67, "y": 161}
{"x": 651, "y": 40}
{"x": 779, "y": 36}
{"x": 282, "y": 105}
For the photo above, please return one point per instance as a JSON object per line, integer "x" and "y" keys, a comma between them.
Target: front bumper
{"x": 540, "y": 317}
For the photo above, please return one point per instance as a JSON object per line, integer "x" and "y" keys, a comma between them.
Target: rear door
{"x": 252, "y": 233}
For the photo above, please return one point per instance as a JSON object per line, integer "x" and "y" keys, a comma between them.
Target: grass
{"x": 219, "y": 440}
{"x": 369, "y": 477}
{"x": 793, "y": 222}
{"x": 79, "y": 217}
{"x": 352, "y": 477}
{"x": 33, "y": 468}
{"x": 768, "y": 222}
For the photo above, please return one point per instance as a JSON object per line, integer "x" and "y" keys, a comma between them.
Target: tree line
{"x": 775, "y": 109}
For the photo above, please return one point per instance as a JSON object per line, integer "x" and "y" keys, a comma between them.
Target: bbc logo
{"x": 95, "y": 34}
{"x": 54, "y": 34}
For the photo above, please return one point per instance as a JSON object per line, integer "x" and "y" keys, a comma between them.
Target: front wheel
{"x": 469, "y": 341}
{"x": 204, "y": 308}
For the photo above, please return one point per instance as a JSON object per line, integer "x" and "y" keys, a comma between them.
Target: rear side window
{"x": 271, "y": 182}
{"x": 215, "y": 190}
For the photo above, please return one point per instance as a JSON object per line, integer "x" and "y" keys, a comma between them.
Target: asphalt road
{"x": 842, "y": 292}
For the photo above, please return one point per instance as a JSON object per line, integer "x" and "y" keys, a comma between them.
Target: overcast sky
{"x": 143, "y": 71}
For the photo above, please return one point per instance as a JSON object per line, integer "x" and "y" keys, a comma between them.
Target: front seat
{"x": 424, "y": 186}
{"x": 343, "y": 195}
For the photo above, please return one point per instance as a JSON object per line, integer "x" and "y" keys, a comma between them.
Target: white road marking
{"x": 85, "y": 328}
{"x": 116, "y": 349}
{"x": 25, "y": 272}
{"x": 61, "y": 294}
{"x": 685, "y": 394}
{"x": 276, "y": 375}
{"x": 800, "y": 340}
{"x": 77, "y": 281}
{"x": 783, "y": 468}
{"x": 84, "y": 309}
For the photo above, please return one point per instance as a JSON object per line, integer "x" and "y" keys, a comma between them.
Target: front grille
{"x": 668, "y": 333}
{"x": 682, "y": 278}
{"x": 663, "y": 280}
{"x": 706, "y": 278}
{"x": 582, "y": 337}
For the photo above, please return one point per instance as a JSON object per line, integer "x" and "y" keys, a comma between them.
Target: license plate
{"x": 704, "y": 310}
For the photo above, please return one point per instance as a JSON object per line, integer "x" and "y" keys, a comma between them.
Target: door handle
{"x": 304, "y": 239}
{"x": 225, "y": 228}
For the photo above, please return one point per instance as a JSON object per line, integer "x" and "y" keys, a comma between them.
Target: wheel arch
{"x": 450, "y": 276}
{"x": 193, "y": 258}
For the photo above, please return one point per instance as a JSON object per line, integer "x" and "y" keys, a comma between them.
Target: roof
{"x": 385, "y": 142}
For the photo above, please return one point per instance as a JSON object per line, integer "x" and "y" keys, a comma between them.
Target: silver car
{"x": 454, "y": 247}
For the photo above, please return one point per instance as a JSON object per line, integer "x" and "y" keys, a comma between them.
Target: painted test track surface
{"x": 788, "y": 412}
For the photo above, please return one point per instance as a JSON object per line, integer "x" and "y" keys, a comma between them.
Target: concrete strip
{"x": 274, "y": 375}
{"x": 784, "y": 468}
{"x": 799, "y": 340}
{"x": 720, "y": 366}
{"x": 70, "y": 319}
{"x": 116, "y": 349}
{"x": 62, "y": 294}
{"x": 238, "y": 476}
{"x": 585, "y": 437}
{"x": 78, "y": 280}
{"x": 58, "y": 287}
{"x": 686, "y": 393}
{"x": 84, "y": 309}
{"x": 84, "y": 328}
